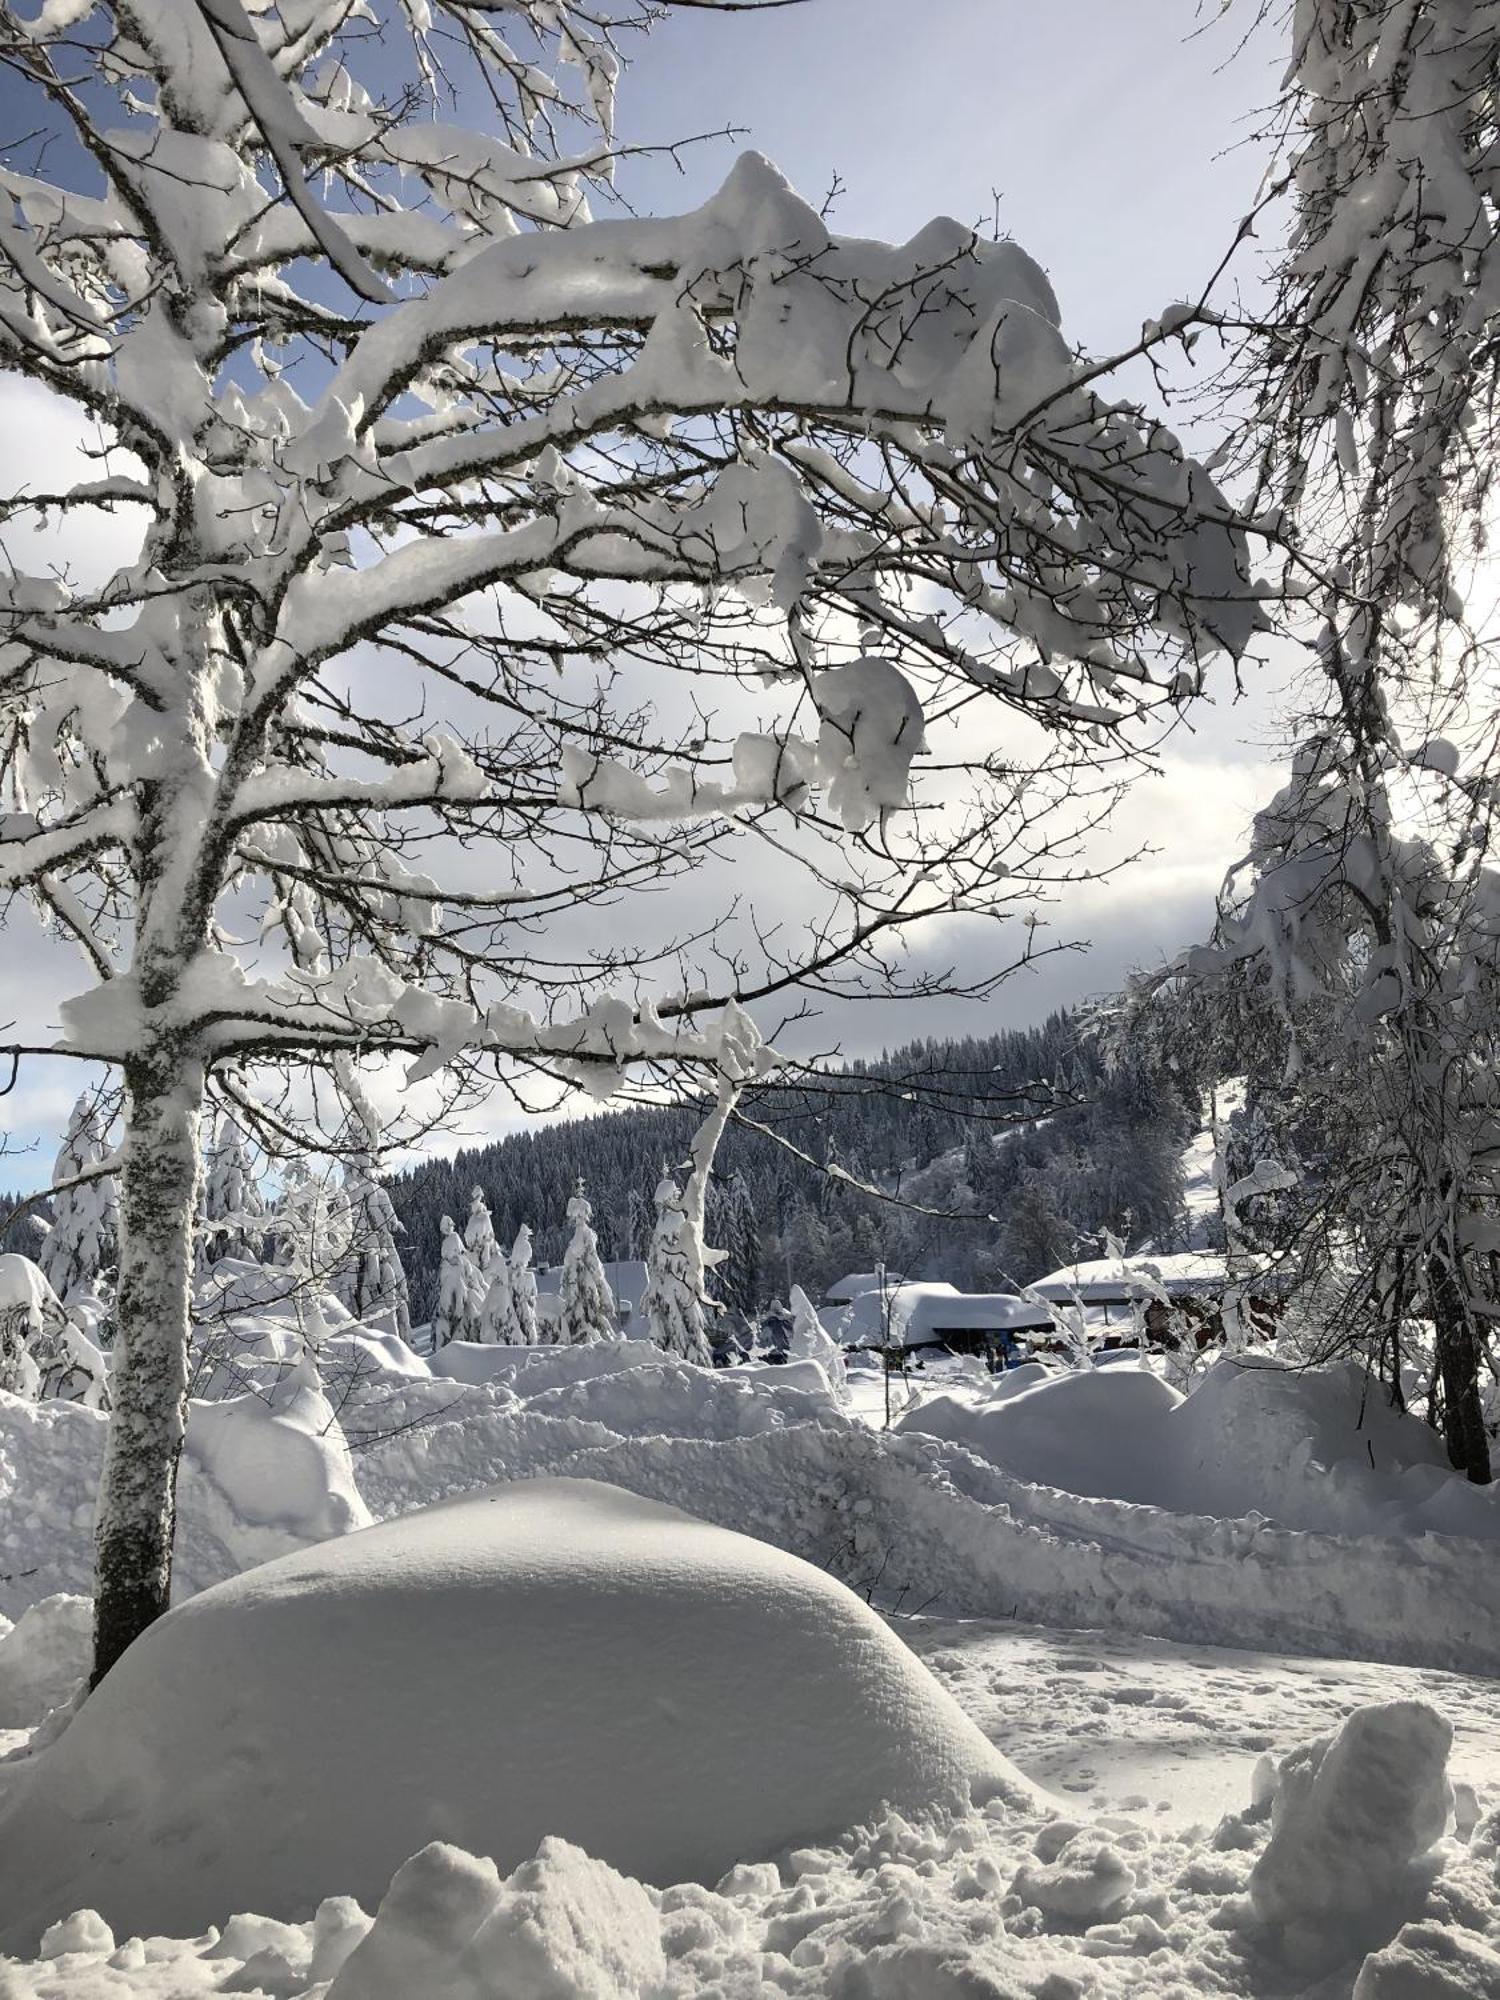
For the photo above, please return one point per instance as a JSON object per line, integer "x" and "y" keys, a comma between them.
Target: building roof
{"x": 1118, "y": 1280}
{"x": 921, "y": 1315}
{"x": 859, "y": 1282}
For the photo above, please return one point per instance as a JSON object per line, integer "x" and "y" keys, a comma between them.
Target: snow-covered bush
{"x": 811, "y": 1341}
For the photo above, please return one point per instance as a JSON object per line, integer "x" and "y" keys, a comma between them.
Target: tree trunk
{"x": 1457, "y": 1347}
{"x": 138, "y": 1497}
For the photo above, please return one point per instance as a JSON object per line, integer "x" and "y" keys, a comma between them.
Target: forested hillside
{"x": 1030, "y": 1127}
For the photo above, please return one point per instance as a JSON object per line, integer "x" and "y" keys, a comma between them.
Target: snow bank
{"x": 280, "y": 1461}
{"x": 926, "y": 1524}
{"x": 1092, "y": 1431}
{"x": 43, "y": 1657}
{"x": 257, "y": 1480}
{"x": 1317, "y": 1449}
{"x": 540, "y": 1367}
{"x": 546, "y": 1658}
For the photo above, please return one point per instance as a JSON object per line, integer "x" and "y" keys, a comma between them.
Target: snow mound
{"x": 900, "y": 1908}
{"x": 544, "y": 1367}
{"x": 550, "y": 1657}
{"x": 1429, "y": 1961}
{"x": 1352, "y": 1816}
{"x": 1093, "y": 1432}
{"x": 564, "y": 1927}
{"x": 281, "y": 1461}
{"x": 1315, "y": 1449}
{"x": 43, "y": 1657}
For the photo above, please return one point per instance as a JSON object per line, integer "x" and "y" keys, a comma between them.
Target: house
{"x": 932, "y": 1315}
{"x": 626, "y": 1278}
{"x": 1115, "y": 1291}
{"x": 859, "y": 1282}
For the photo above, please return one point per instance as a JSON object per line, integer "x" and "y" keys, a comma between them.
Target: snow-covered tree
{"x": 523, "y": 1288}
{"x": 672, "y": 1304}
{"x": 81, "y": 1247}
{"x": 811, "y": 1341}
{"x": 457, "y": 1289}
{"x": 370, "y": 1280}
{"x": 499, "y": 1321}
{"x": 494, "y": 1312}
{"x": 232, "y": 1200}
{"x": 370, "y": 380}
{"x": 312, "y": 1224}
{"x": 1364, "y": 915}
{"x": 479, "y": 1235}
{"x": 739, "y": 1276}
{"x": 586, "y": 1306}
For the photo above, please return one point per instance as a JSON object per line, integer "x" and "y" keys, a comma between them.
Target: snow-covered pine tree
{"x": 457, "y": 1286}
{"x": 493, "y": 1316}
{"x": 232, "y": 1200}
{"x": 370, "y": 1280}
{"x": 530, "y": 405}
{"x": 586, "y": 1306}
{"x": 479, "y": 1235}
{"x": 739, "y": 1276}
{"x": 499, "y": 1319}
{"x": 811, "y": 1341}
{"x": 81, "y": 1248}
{"x": 672, "y": 1304}
{"x": 523, "y": 1287}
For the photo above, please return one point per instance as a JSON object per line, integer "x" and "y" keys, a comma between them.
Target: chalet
{"x": 844, "y": 1290}
{"x": 931, "y": 1316}
{"x": 1117, "y": 1292}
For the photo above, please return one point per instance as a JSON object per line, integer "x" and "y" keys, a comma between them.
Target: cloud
{"x": 49, "y": 445}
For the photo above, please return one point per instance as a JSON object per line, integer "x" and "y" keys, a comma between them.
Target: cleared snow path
{"x": 1170, "y": 1731}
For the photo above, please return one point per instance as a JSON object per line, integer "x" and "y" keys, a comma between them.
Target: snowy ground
{"x": 1148, "y": 1726}
{"x": 1140, "y": 1876}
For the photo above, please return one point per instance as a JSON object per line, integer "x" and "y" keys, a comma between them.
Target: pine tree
{"x": 370, "y": 1281}
{"x": 479, "y": 1235}
{"x": 81, "y": 1248}
{"x": 499, "y": 1323}
{"x": 454, "y": 1319}
{"x": 587, "y": 1305}
{"x": 739, "y": 1277}
{"x": 523, "y": 1288}
{"x": 671, "y": 1306}
{"x": 232, "y": 1200}
{"x": 811, "y": 1341}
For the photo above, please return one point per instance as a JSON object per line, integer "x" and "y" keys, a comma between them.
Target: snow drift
{"x": 1317, "y": 1449}
{"x": 548, "y": 1658}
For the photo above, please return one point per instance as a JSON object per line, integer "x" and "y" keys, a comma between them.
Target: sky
{"x": 1117, "y": 143}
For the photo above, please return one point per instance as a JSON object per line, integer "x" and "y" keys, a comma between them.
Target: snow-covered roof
{"x": 859, "y": 1282}
{"x": 1113, "y": 1280}
{"x": 917, "y": 1315}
